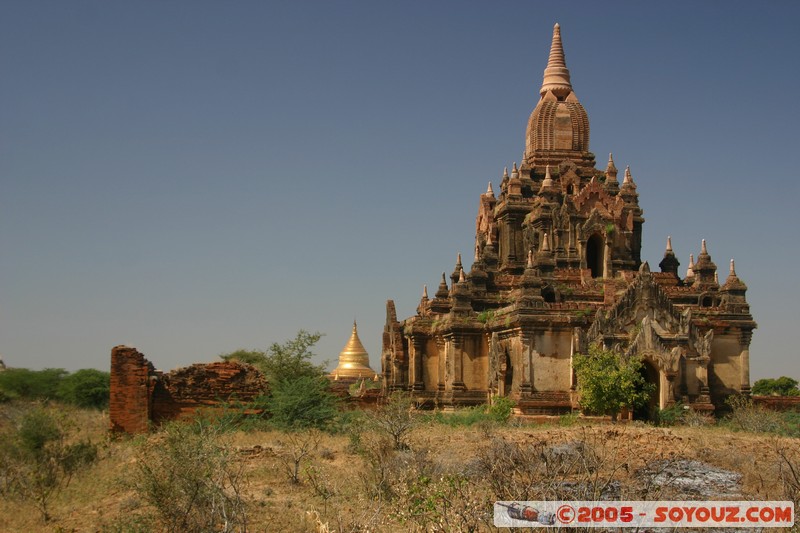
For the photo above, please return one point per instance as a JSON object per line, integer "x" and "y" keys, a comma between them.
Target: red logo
{"x": 565, "y": 514}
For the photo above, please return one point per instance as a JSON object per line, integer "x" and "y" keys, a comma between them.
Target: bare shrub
{"x": 395, "y": 418}
{"x": 585, "y": 468}
{"x": 380, "y": 466}
{"x": 297, "y": 448}
{"x": 789, "y": 471}
{"x": 694, "y": 418}
{"x": 37, "y": 457}
{"x": 191, "y": 479}
{"x": 449, "y": 502}
{"x": 748, "y": 416}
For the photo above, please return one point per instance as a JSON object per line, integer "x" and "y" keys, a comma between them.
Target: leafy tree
{"x": 85, "y": 388}
{"x": 281, "y": 361}
{"x": 299, "y": 393}
{"x": 607, "y": 383}
{"x": 302, "y": 402}
{"x": 782, "y": 386}
{"x": 37, "y": 457}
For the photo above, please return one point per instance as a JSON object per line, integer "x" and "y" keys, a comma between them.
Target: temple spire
{"x": 443, "y": 292}
{"x": 628, "y": 177}
{"x": 545, "y": 244}
{"x": 670, "y": 263}
{"x": 556, "y": 75}
{"x": 611, "y": 169}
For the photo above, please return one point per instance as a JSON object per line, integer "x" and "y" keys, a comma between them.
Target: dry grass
{"x": 438, "y": 482}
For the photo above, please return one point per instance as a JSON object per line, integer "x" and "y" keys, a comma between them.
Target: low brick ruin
{"x": 141, "y": 395}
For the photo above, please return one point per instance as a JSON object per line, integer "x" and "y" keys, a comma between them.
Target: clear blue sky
{"x": 195, "y": 177}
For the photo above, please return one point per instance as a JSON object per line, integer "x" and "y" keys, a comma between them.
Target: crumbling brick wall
{"x": 202, "y": 386}
{"x": 140, "y": 395}
{"x": 132, "y": 379}
{"x": 778, "y": 403}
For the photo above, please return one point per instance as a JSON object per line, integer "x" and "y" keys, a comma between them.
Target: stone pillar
{"x": 417, "y": 345}
{"x": 457, "y": 351}
{"x": 582, "y": 254}
{"x": 702, "y": 373}
{"x": 607, "y": 258}
{"x": 442, "y": 347}
{"x": 744, "y": 359}
{"x": 670, "y": 388}
{"x": 526, "y": 387}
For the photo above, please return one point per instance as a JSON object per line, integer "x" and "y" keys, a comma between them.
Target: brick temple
{"x": 557, "y": 266}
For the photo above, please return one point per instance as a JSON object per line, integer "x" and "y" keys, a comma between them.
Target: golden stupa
{"x": 353, "y": 360}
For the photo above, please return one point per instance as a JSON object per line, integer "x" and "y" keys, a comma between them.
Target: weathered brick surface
{"x": 201, "y": 386}
{"x": 779, "y": 403}
{"x": 140, "y": 395}
{"x": 132, "y": 379}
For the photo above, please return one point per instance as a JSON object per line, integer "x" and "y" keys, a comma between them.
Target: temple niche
{"x": 557, "y": 266}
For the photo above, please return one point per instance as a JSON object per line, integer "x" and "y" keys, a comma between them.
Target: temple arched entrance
{"x": 594, "y": 255}
{"x": 649, "y": 410}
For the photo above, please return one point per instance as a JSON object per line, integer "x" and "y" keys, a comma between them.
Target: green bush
{"x": 791, "y": 423}
{"x": 32, "y": 384}
{"x": 499, "y": 412}
{"x": 501, "y": 408}
{"x": 88, "y": 388}
{"x": 568, "y": 420}
{"x": 670, "y": 416}
{"x": 467, "y": 416}
{"x": 303, "y": 402}
{"x": 607, "y": 382}
{"x": 84, "y": 388}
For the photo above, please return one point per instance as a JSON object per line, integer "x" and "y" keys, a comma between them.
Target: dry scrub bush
{"x": 789, "y": 470}
{"x": 450, "y": 502}
{"x": 420, "y": 492}
{"x": 692, "y": 418}
{"x": 191, "y": 479}
{"x": 747, "y": 416}
{"x": 394, "y": 418}
{"x": 39, "y": 454}
{"x": 296, "y": 449}
{"x": 582, "y": 469}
